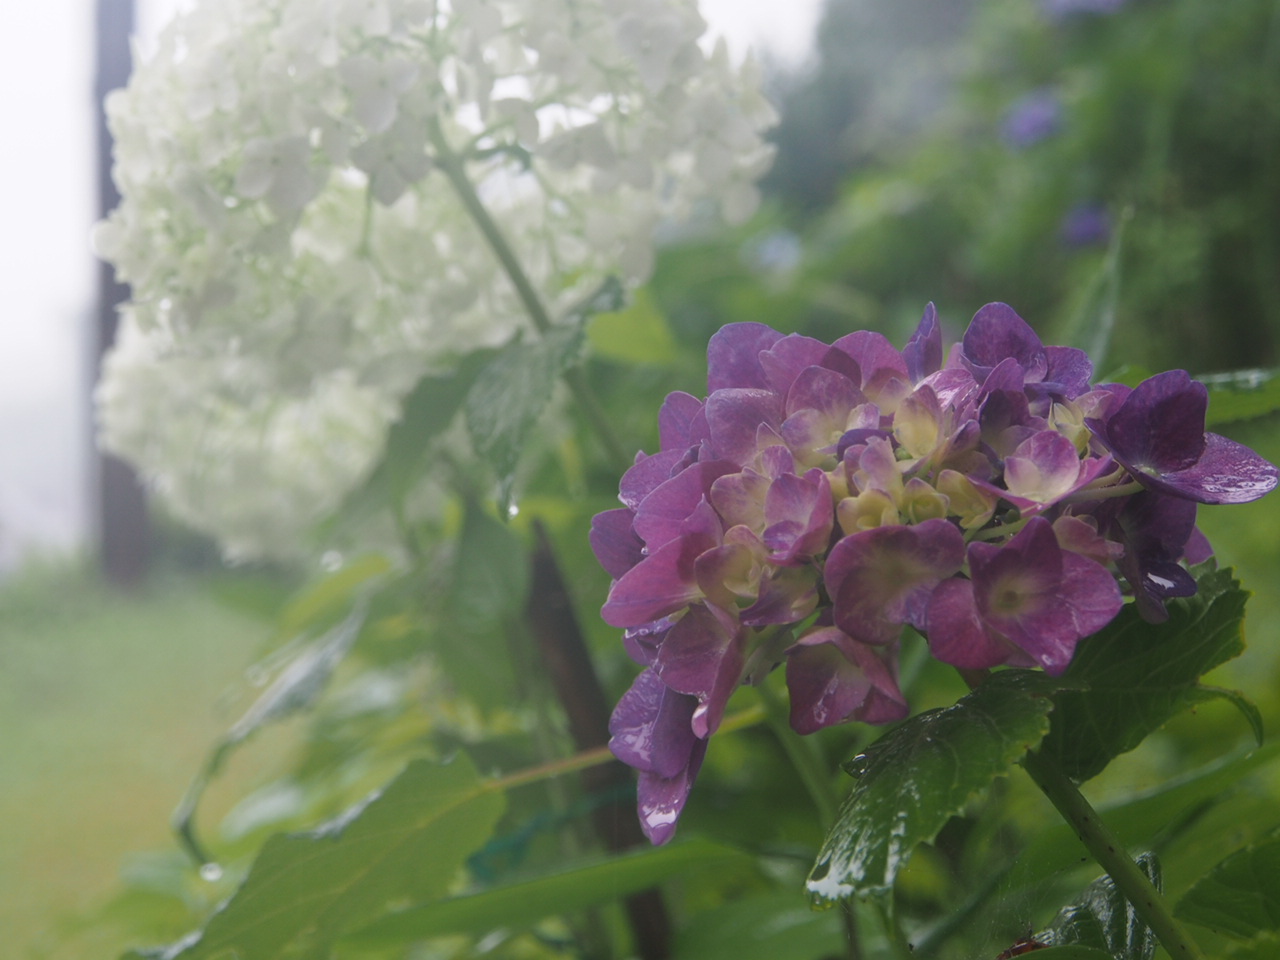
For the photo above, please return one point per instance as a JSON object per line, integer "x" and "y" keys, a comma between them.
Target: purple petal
{"x": 783, "y": 362}
{"x": 997, "y": 333}
{"x": 923, "y": 352}
{"x": 739, "y": 499}
{"x": 1155, "y": 530}
{"x": 661, "y": 515}
{"x": 734, "y": 418}
{"x": 875, "y": 355}
{"x": 800, "y": 515}
{"x": 1159, "y": 428}
{"x": 660, "y": 800}
{"x": 664, "y": 581}
{"x": 646, "y": 475}
{"x": 615, "y": 544}
{"x": 1227, "y": 472}
{"x": 786, "y": 595}
{"x": 831, "y": 679}
{"x": 733, "y": 356}
{"x": 1070, "y": 371}
{"x": 1045, "y": 468}
{"x": 957, "y": 634}
{"x": 650, "y": 727}
{"x": 676, "y": 418}
{"x": 702, "y": 656}
{"x": 880, "y": 579}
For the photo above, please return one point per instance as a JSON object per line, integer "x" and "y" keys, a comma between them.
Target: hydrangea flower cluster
{"x": 298, "y": 257}
{"x": 823, "y": 497}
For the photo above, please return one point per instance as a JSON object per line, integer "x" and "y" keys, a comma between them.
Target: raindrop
{"x": 211, "y": 872}
{"x": 857, "y": 766}
{"x": 513, "y": 510}
{"x": 331, "y": 561}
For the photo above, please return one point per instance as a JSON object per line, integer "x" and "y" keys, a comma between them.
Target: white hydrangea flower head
{"x": 298, "y": 259}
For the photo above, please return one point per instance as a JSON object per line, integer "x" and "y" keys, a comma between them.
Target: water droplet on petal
{"x": 857, "y": 766}
{"x": 211, "y": 872}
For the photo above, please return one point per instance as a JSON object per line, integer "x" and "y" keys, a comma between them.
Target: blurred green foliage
{"x": 1145, "y": 204}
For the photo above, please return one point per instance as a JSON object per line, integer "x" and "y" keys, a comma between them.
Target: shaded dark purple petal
{"x": 998, "y": 333}
{"x": 1158, "y": 434}
{"x": 733, "y": 356}
{"x": 661, "y": 515}
{"x": 664, "y": 581}
{"x": 650, "y": 728}
{"x": 923, "y": 352}
{"x": 880, "y": 579}
{"x": 831, "y": 678}
{"x": 702, "y": 656}
{"x": 615, "y": 544}
{"x": 641, "y": 643}
{"x": 660, "y": 800}
{"x": 1159, "y": 428}
{"x": 786, "y": 595}
{"x": 1155, "y": 530}
{"x": 735, "y": 417}
{"x": 676, "y": 418}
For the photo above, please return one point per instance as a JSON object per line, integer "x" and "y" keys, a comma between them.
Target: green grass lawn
{"x": 108, "y": 704}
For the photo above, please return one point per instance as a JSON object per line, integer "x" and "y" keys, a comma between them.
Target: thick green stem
{"x": 455, "y": 172}
{"x": 1111, "y": 855}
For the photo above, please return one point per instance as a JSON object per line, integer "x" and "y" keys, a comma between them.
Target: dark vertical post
{"x": 120, "y": 507}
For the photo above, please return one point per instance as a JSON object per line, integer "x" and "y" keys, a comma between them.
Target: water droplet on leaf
{"x": 857, "y": 766}
{"x": 211, "y": 872}
{"x": 331, "y": 561}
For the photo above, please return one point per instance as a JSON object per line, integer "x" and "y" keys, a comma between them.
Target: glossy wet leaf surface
{"x": 1103, "y": 919}
{"x": 913, "y": 779}
{"x": 1134, "y": 676}
{"x": 305, "y": 890}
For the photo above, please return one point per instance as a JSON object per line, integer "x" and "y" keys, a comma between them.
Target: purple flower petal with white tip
{"x": 661, "y": 800}
{"x": 702, "y": 656}
{"x": 880, "y": 579}
{"x": 1158, "y": 434}
{"x": 831, "y": 678}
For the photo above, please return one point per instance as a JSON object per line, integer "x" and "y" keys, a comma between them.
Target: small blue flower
{"x": 1033, "y": 117}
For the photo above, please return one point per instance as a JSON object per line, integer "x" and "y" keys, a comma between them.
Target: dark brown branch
{"x": 559, "y": 638}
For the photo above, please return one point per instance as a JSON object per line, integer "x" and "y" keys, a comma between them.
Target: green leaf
{"x": 1241, "y": 395}
{"x": 779, "y": 926}
{"x": 1239, "y": 897}
{"x": 1072, "y": 953}
{"x": 1265, "y": 947}
{"x": 425, "y": 413}
{"x": 511, "y": 393}
{"x": 914, "y": 778}
{"x": 323, "y": 601}
{"x": 637, "y": 334}
{"x": 1103, "y": 919}
{"x": 1138, "y": 820}
{"x": 520, "y": 905}
{"x": 1127, "y": 680}
{"x": 306, "y": 890}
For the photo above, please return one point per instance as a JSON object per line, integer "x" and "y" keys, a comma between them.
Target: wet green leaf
{"x": 1239, "y": 897}
{"x": 1103, "y": 919}
{"x": 1241, "y": 395}
{"x": 521, "y": 905}
{"x": 914, "y": 778}
{"x": 1131, "y": 677}
{"x": 322, "y": 602}
{"x": 406, "y": 842}
{"x": 511, "y": 393}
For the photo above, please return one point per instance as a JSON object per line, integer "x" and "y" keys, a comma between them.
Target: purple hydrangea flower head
{"x": 1033, "y": 117}
{"x": 823, "y": 497}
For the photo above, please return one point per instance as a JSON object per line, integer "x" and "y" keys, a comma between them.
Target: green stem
{"x": 898, "y": 942}
{"x": 1111, "y": 855}
{"x": 451, "y": 165}
{"x": 802, "y": 754}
